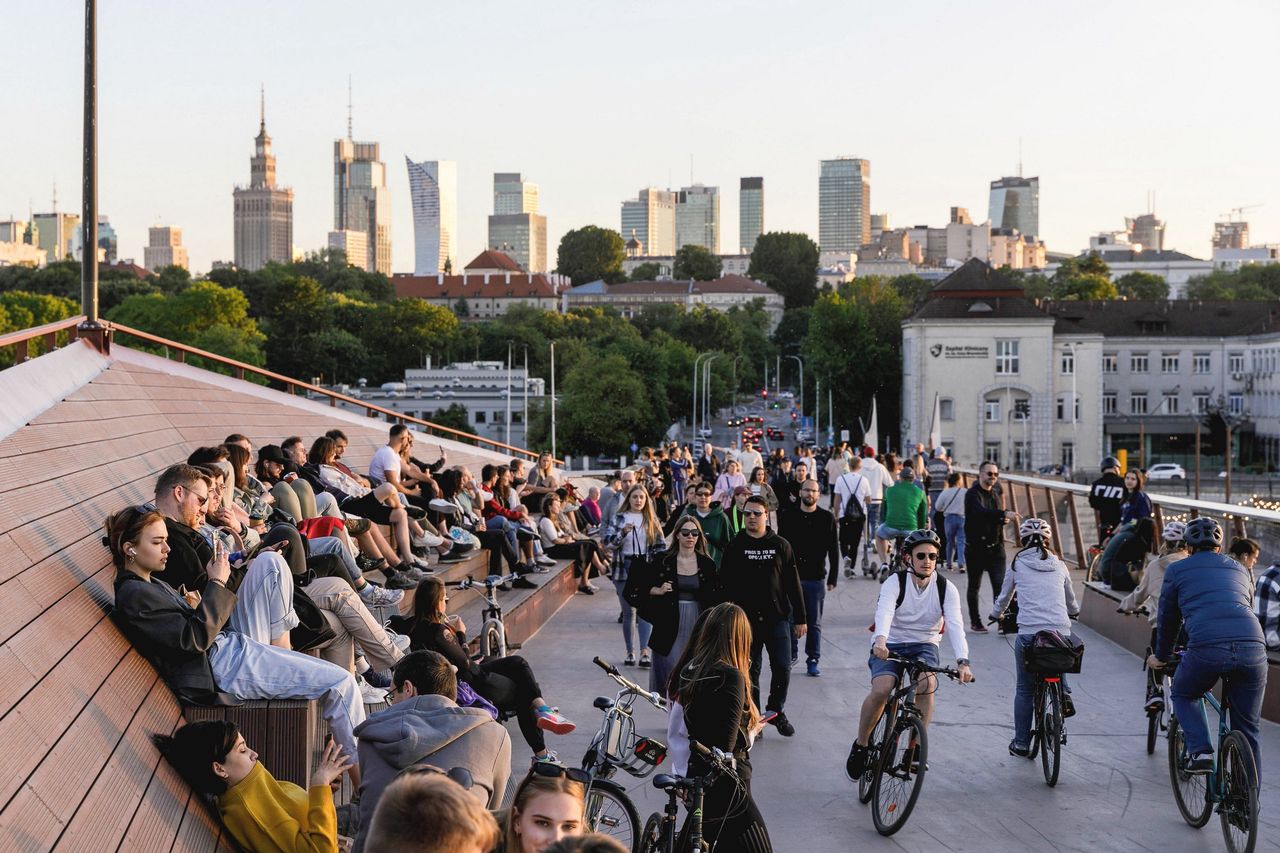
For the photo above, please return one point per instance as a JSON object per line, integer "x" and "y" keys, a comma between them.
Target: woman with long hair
{"x": 558, "y": 543}
{"x": 507, "y": 682}
{"x": 711, "y": 704}
{"x": 634, "y": 533}
{"x": 727, "y": 482}
{"x": 671, "y": 592}
{"x": 1135, "y": 504}
{"x": 547, "y": 806}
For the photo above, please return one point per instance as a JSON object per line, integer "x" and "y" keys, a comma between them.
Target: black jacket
{"x": 189, "y": 554}
{"x": 176, "y": 639}
{"x": 1105, "y": 495}
{"x": 759, "y": 575}
{"x": 708, "y": 468}
{"x": 983, "y": 521}
{"x": 663, "y": 611}
{"x": 812, "y": 536}
{"x": 718, "y": 716}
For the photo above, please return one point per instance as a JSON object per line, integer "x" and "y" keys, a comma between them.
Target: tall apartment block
{"x": 1015, "y": 203}
{"x": 361, "y": 200}
{"x": 433, "y": 190}
{"x": 844, "y": 204}
{"x": 516, "y": 228}
{"x": 698, "y": 218}
{"x": 56, "y": 234}
{"x": 651, "y": 219}
{"x": 750, "y": 212}
{"x": 263, "y": 211}
{"x": 164, "y": 249}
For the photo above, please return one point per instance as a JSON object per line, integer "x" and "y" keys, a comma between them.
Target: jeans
{"x": 815, "y": 593}
{"x": 333, "y": 545}
{"x": 777, "y": 638}
{"x": 508, "y": 528}
{"x": 978, "y": 562}
{"x": 264, "y": 600}
{"x": 954, "y": 551}
{"x": 631, "y": 622}
{"x": 873, "y": 516}
{"x": 1242, "y": 665}
{"x": 1024, "y": 695}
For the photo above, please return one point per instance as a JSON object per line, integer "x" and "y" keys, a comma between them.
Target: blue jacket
{"x": 1212, "y": 595}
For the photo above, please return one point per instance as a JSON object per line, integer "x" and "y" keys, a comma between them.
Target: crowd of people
{"x": 243, "y": 581}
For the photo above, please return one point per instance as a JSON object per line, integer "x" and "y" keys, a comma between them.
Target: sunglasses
{"x": 552, "y": 770}
{"x": 926, "y": 557}
{"x": 690, "y": 533}
{"x": 752, "y": 513}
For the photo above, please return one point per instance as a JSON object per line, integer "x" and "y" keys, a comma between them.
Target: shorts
{"x": 923, "y": 652}
{"x": 888, "y": 533}
{"x": 357, "y": 526}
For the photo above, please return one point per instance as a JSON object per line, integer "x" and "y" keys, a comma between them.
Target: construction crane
{"x": 1237, "y": 213}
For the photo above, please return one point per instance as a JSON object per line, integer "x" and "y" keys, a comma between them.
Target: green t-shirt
{"x": 904, "y": 506}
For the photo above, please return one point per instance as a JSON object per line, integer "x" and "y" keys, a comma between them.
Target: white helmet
{"x": 1173, "y": 531}
{"x": 1034, "y": 527}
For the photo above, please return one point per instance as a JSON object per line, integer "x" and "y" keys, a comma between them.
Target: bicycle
{"x": 900, "y": 752}
{"x": 1230, "y": 786}
{"x": 1048, "y": 726}
{"x": 615, "y": 745}
{"x": 1158, "y": 682}
{"x": 493, "y": 633}
{"x": 660, "y": 830}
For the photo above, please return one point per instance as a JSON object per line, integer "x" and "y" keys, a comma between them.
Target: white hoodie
{"x": 1046, "y": 600}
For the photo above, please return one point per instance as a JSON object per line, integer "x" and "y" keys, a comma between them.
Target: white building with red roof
{"x": 487, "y": 288}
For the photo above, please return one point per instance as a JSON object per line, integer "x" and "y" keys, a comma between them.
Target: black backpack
{"x": 902, "y": 590}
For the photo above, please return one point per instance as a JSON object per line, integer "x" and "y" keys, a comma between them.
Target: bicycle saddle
{"x": 665, "y": 781}
{"x": 604, "y": 703}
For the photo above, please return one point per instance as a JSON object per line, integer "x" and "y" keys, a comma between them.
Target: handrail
{"x": 241, "y": 368}
{"x": 24, "y": 335}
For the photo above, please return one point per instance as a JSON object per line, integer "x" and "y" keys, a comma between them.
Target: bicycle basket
{"x": 636, "y": 755}
{"x": 1050, "y": 653}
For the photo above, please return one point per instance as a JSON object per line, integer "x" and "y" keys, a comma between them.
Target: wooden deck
{"x": 77, "y": 704}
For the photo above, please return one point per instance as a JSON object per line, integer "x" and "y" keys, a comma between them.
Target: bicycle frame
{"x": 492, "y": 612}
{"x": 608, "y": 747}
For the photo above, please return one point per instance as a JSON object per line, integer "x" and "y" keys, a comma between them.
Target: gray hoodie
{"x": 1046, "y": 600}
{"x": 431, "y": 729}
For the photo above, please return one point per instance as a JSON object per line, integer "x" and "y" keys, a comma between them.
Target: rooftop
{"x": 492, "y": 259}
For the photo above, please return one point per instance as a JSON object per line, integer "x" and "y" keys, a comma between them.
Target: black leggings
{"x": 509, "y": 684}
{"x": 368, "y": 507}
{"x": 580, "y": 552}
{"x": 731, "y": 820}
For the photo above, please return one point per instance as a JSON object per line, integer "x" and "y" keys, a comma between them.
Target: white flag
{"x": 872, "y": 436}
{"x": 935, "y": 425}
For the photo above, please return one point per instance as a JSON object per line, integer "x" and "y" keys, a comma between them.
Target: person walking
{"x": 951, "y": 503}
{"x": 849, "y": 504}
{"x": 811, "y": 532}
{"x": 758, "y": 572}
{"x": 936, "y": 471}
{"x": 984, "y": 521}
{"x": 635, "y": 533}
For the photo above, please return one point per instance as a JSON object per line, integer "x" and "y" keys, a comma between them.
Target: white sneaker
{"x": 370, "y": 694}
{"x": 848, "y": 564}
{"x": 377, "y": 596}
{"x": 426, "y": 540}
{"x": 544, "y": 560}
{"x": 400, "y": 641}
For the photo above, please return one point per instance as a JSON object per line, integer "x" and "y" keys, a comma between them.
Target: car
{"x": 774, "y": 434}
{"x": 1166, "y": 472}
{"x": 705, "y": 432}
{"x": 733, "y": 422}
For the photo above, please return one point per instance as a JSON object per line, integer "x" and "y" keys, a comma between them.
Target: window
{"x": 1235, "y": 404}
{"x": 991, "y": 409}
{"x": 1200, "y": 402}
{"x": 1200, "y": 362}
{"x": 1169, "y": 404}
{"x": 947, "y": 409}
{"x": 1109, "y": 403}
{"x": 991, "y": 452}
{"x": 1021, "y": 410}
{"x": 1138, "y": 362}
{"x": 1169, "y": 362}
{"x": 1006, "y": 357}
{"x": 1068, "y": 362}
{"x": 1235, "y": 362}
{"x": 480, "y": 416}
{"x": 1109, "y": 360}
{"x": 1065, "y": 409}
{"x": 1068, "y": 455}
{"x": 1137, "y": 404}
{"x": 1021, "y": 455}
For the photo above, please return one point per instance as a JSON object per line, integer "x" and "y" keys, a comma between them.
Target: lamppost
{"x": 1231, "y": 421}
{"x": 693, "y": 413}
{"x": 706, "y": 388}
{"x": 525, "y": 416}
{"x": 800, "y": 361}
{"x": 735, "y": 382}
{"x": 553, "y": 399}
{"x": 508, "y": 395}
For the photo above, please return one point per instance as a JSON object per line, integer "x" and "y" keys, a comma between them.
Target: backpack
{"x": 901, "y": 575}
{"x": 853, "y": 509}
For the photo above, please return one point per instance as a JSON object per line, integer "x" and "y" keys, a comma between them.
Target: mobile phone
{"x": 768, "y": 716}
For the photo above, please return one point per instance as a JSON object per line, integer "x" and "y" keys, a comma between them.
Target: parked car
{"x": 705, "y": 432}
{"x": 1166, "y": 472}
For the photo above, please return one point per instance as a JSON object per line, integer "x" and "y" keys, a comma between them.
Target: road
{"x": 1112, "y": 796}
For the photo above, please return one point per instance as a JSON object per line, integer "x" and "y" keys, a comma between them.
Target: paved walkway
{"x": 976, "y": 797}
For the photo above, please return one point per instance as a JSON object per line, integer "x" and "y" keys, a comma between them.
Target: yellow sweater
{"x": 263, "y": 814}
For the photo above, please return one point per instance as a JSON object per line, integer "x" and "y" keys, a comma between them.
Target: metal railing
{"x": 1066, "y": 504}
{"x": 46, "y": 334}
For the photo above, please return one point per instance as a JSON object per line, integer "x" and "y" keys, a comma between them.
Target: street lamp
{"x": 1231, "y": 421}
{"x": 693, "y": 415}
{"x": 706, "y": 388}
{"x": 735, "y": 382}
{"x": 526, "y": 395}
{"x": 553, "y": 399}
{"x": 509, "y": 346}
{"x": 800, "y": 361}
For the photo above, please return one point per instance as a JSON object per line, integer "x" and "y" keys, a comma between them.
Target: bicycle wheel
{"x": 1051, "y": 733}
{"x": 1037, "y": 711}
{"x": 1190, "y": 792}
{"x": 1237, "y": 782}
{"x": 866, "y": 782}
{"x": 610, "y": 812}
{"x": 491, "y": 641}
{"x": 897, "y": 787}
{"x": 1153, "y": 730}
{"x": 651, "y": 837}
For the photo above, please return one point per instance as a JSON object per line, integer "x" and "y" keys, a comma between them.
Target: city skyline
{"x": 1097, "y": 157}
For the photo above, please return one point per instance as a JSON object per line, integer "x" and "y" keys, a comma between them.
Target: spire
{"x": 262, "y": 109}
{"x": 349, "y": 135}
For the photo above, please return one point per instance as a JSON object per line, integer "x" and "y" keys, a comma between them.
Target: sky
{"x": 594, "y": 100}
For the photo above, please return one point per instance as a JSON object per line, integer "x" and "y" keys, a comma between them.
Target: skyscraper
{"x": 651, "y": 218}
{"x": 515, "y": 227}
{"x": 433, "y": 188}
{"x": 55, "y": 233}
{"x": 750, "y": 212}
{"x": 263, "y": 211}
{"x": 698, "y": 218}
{"x": 1146, "y": 230}
{"x": 361, "y": 200}
{"x": 844, "y": 204}
{"x": 1015, "y": 203}
{"x": 164, "y": 249}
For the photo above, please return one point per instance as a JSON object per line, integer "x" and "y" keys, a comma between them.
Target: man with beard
{"x": 811, "y": 532}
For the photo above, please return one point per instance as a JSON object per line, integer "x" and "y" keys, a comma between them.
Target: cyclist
{"x": 1148, "y": 594}
{"x": 905, "y": 509}
{"x": 1210, "y": 595}
{"x": 911, "y": 612}
{"x": 1105, "y": 496}
{"x": 1046, "y": 602}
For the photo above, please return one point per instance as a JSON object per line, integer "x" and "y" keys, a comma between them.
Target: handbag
{"x": 463, "y": 537}
{"x": 1050, "y": 653}
{"x": 312, "y": 630}
{"x": 469, "y": 698}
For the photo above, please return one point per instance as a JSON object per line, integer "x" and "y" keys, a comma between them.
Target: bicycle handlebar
{"x": 723, "y": 760}
{"x": 490, "y": 582}
{"x": 653, "y": 698}
{"x": 953, "y": 674}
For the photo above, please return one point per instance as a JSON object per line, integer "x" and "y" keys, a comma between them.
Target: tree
{"x": 1083, "y": 278}
{"x": 590, "y": 253}
{"x": 647, "y": 271}
{"x": 789, "y": 264}
{"x": 206, "y": 316}
{"x": 1142, "y": 285}
{"x": 1251, "y": 281}
{"x": 22, "y": 310}
{"x": 461, "y": 308}
{"x": 912, "y": 288}
{"x": 792, "y": 328}
{"x": 604, "y": 407}
{"x": 697, "y": 263}
{"x": 454, "y": 417}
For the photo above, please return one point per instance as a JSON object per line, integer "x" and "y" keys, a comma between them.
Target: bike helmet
{"x": 921, "y": 537}
{"x": 1109, "y": 462}
{"x": 1202, "y": 533}
{"x": 1173, "y": 531}
{"x": 1034, "y": 527}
